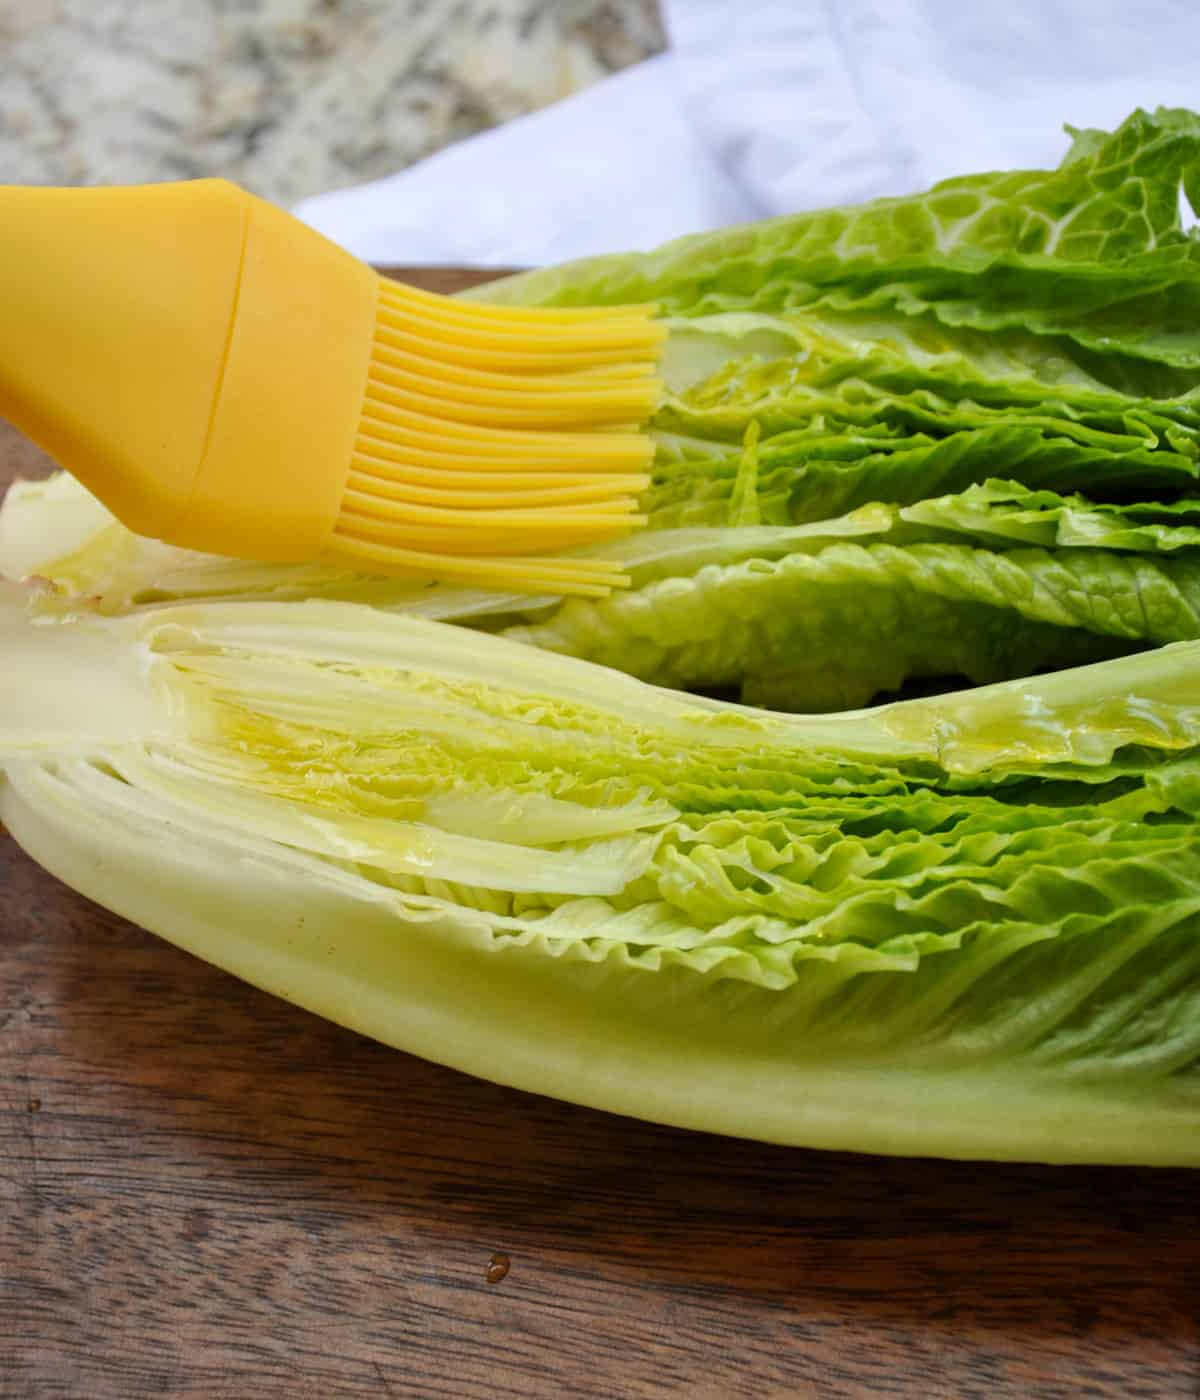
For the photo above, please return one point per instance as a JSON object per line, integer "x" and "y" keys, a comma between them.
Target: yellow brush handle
{"x": 196, "y": 356}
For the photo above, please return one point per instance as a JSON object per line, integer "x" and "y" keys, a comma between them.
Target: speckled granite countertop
{"x": 289, "y": 97}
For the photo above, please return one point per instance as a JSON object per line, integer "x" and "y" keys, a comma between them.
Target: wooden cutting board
{"x": 205, "y": 1192}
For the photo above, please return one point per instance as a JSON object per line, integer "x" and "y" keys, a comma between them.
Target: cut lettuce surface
{"x": 964, "y": 926}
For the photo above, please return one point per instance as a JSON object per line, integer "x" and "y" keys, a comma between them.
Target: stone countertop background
{"x": 287, "y": 97}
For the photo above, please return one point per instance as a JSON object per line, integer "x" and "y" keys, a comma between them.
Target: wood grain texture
{"x": 205, "y": 1192}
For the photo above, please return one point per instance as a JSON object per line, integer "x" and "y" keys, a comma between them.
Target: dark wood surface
{"x": 205, "y": 1192}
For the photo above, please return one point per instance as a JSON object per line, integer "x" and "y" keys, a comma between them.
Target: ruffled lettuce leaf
{"x": 1004, "y": 513}
{"x": 1093, "y": 251}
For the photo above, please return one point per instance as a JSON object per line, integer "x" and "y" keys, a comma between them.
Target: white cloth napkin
{"x": 765, "y": 106}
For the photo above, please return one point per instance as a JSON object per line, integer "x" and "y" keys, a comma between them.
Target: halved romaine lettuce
{"x": 965, "y": 926}
{"x": 949, "y": 437}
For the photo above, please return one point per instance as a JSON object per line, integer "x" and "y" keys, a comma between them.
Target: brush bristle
{"x": 492, "y": 438}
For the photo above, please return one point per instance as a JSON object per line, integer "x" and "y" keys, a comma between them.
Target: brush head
{"x": 226, "y": 379}
{"x": 494, "y": 437}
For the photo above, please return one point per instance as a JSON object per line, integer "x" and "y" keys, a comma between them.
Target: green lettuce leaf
{"x": 832, "y": 467}
{"x": 832, "y": 629}
{"x": 1005, "y": 513}
{"x": 1093, "y": 250}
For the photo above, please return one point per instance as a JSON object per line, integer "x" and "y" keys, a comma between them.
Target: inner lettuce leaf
{"x": 967, "y": 925}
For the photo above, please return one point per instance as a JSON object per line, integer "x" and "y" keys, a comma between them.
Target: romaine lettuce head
{"x": 964, "y": 926}
{"x": 950, "y": 438}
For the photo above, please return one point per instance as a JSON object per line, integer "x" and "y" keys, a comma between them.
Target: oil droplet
{"x": 34, "y": 1105}
{"x": 497, "y": 1269}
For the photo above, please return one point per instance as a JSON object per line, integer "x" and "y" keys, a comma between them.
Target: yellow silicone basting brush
{"x": 224, "y": 378}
